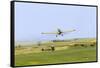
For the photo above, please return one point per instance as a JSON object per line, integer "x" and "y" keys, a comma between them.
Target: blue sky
{"x": 32, "y": 18}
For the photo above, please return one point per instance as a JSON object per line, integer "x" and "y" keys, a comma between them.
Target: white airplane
{"x": 59, "y": 32}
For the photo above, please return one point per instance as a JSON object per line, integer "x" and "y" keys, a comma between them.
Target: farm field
{"x": 65, "y": 52}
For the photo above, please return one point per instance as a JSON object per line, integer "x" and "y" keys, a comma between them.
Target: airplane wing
{"x": 68, "y": 31}
{"x": 49, "y": 33}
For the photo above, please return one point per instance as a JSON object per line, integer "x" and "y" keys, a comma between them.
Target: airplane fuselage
{"x": 59, "y": 32}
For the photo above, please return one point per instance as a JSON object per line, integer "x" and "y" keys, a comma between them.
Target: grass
{"x": 72, "y": 54}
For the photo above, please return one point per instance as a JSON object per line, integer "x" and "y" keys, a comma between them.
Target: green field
{"x": 62, "y": 54}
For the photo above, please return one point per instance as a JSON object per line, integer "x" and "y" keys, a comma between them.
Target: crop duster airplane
{"x": 59, "y": 32}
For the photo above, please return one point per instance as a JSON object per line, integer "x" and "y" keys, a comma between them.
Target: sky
{"x": 33, "y": 18}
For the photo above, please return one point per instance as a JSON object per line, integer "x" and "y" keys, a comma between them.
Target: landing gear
{"x": 62, "y": 35}
{"x": 56, "y": 36}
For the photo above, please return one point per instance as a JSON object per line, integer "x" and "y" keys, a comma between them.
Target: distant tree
{"x": 82, "y": 45}
{"x": 42, "y": 49}
{"x": 75, "y": 44}
{"x": 92, "y": 45}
